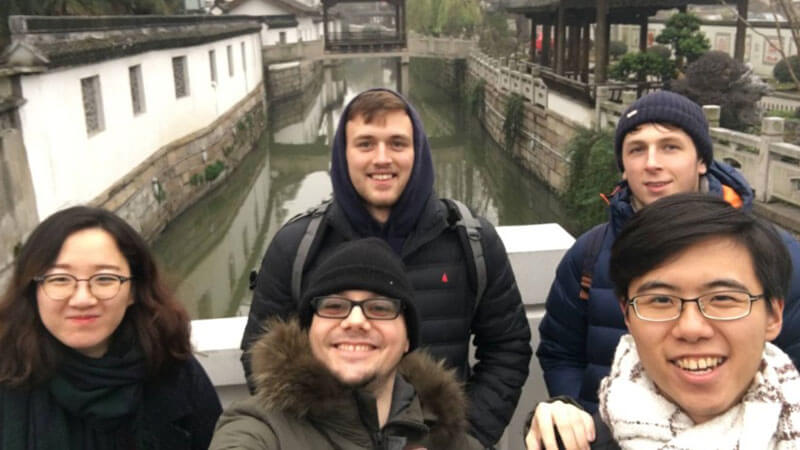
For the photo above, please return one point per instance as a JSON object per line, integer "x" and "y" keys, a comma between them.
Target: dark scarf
{"x": 89, "y": 404}
{"x": 405, "y": 213}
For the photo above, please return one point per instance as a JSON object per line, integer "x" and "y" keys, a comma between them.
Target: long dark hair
{"x": 28, "y": 353}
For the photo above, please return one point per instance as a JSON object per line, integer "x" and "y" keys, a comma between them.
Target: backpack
{"x": 458, "y": 216}
{"x": 595, "y": 242}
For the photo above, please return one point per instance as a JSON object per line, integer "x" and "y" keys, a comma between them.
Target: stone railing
{"x": 418, "y": 46}
{"x": 433, "y": 47}
{"x": 292, "y": 52}
{"x": 770, "y": 165}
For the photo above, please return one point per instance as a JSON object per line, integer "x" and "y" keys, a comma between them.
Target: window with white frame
{"x": 137, "y": 89}
{"x": 92, "y": 104}
{"x": 180, "y": 75}
{"x": 230, "y": 60}
{"x": 244, "y": 59}
{"x": 212, "y": 61}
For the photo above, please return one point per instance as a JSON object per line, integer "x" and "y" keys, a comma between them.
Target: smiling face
{"x": 380, "y": 156}
{"x": 673, "y": 352}
{"x": 356, "y": 350}
{"x": 660, "y": 160}
{"x": 83, "y": 322}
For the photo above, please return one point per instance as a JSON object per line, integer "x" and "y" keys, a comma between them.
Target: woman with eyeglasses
{"x": 94, "y": 350}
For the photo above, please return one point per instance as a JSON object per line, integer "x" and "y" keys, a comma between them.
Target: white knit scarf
{"x": 768, "y": 417}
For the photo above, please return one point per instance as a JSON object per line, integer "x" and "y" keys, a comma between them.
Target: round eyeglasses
{"x": 376, "y": 308}
{"x": 720, "y": 305}
{"x": 61, "y": 286}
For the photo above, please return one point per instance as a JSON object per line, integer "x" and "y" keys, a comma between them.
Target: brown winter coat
{"x": 300, "y": 405}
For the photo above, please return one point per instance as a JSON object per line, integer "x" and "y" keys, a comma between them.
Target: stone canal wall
{"x": 181, "y": 172}
{"x": 544, "y": 133}
{"x": 287, "y": 80}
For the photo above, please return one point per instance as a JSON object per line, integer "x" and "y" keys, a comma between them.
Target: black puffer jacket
{"x": 419, "y": 231}
{"x": 502, "y": 335}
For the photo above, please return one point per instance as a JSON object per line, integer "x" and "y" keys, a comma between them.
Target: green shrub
{"x": 515, "y": 113}
{"x": 638, "y": 65}
{"x": 196, "y": 179}
{"x": 781, "y": 113}
{"x": 662, "y": 50}
{"x": 476, "y": 96}
{"x": 213, "y": 170}
{"x": 592, "y": 171}
{"x": 617, "y": 49}
{"x": 781, "y": 70}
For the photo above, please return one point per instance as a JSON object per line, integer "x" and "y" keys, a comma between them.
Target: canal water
{"x": 210, "y": 249}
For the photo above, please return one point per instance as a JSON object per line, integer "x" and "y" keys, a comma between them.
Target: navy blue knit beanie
{"x": 364, "y": 264}
{"x": 666, "y": 107}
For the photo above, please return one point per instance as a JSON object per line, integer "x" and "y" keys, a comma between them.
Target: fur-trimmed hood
{"x": 289, "y": 379}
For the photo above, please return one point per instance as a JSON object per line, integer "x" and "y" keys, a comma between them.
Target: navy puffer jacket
{"x": 578, "y": 337}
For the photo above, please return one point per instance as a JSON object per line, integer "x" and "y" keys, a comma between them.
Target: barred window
{"x": 230, "y": 60}
{"x": 181, "y": 76}
{"x": 92, "y": 104}
{"x": 137, "y": 89}
{"x": 212, "y": 61}
{"x": 244, "y": 59}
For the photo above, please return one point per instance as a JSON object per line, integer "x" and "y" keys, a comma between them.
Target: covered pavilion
{"x": 566, "y": 33}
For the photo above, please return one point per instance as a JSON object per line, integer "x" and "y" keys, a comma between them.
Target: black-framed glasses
{"x": 719, "y": 305}
{"x": 375, "y": 308}
{"x": 61, "y": 286}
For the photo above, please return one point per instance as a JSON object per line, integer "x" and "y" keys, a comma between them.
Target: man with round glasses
{"x": 344, "y": 374}
{"x": 701, "y": 286}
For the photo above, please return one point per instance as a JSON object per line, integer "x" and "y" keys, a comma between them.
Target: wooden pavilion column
{"x": 546, "y": 34}
{"x": 741, "y": 31}
{"x": 643, "y": 34}
{"x": 325, "y": 23}
{"x": 533, "y": 41}
{"x": 586, "y": 46}
{"x": 560, "y": 38}
{"x": 574, "y": 48}
{"x": 601, "y": 43}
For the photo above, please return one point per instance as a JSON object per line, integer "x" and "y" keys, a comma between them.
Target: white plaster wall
{"x": 305, "y": 30}
{"x": 569, "y": 108}
{"x": 258, "y": 8}
{"x": 59, "y": 149}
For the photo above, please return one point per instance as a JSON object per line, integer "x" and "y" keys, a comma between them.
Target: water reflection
{"x": 209, "y": 250}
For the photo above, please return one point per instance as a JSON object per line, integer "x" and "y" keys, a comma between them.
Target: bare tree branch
{"x": 794, "y": 25}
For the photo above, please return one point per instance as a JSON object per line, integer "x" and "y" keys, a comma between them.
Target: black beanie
{"x": 363, "y": 264}
{"x": 671, "y": 108}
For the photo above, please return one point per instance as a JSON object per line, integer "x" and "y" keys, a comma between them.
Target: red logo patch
{"x": 444, "y": 277}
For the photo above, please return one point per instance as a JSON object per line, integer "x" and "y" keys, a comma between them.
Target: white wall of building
{"x": 306, "y": 30}
{"x": 61, "y": 152}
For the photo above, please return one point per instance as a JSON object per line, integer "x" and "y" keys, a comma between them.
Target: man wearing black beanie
{"x": 344, "y": 375}
{"x": 663, "y": 147}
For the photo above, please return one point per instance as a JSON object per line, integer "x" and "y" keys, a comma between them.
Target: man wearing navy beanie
{"x": 663, "y": 147}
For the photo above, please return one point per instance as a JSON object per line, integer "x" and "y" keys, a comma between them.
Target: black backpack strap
{"x": 317, "y": 213}
{"x": 472, "y": 232}
{"x": 594, "y": 239}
